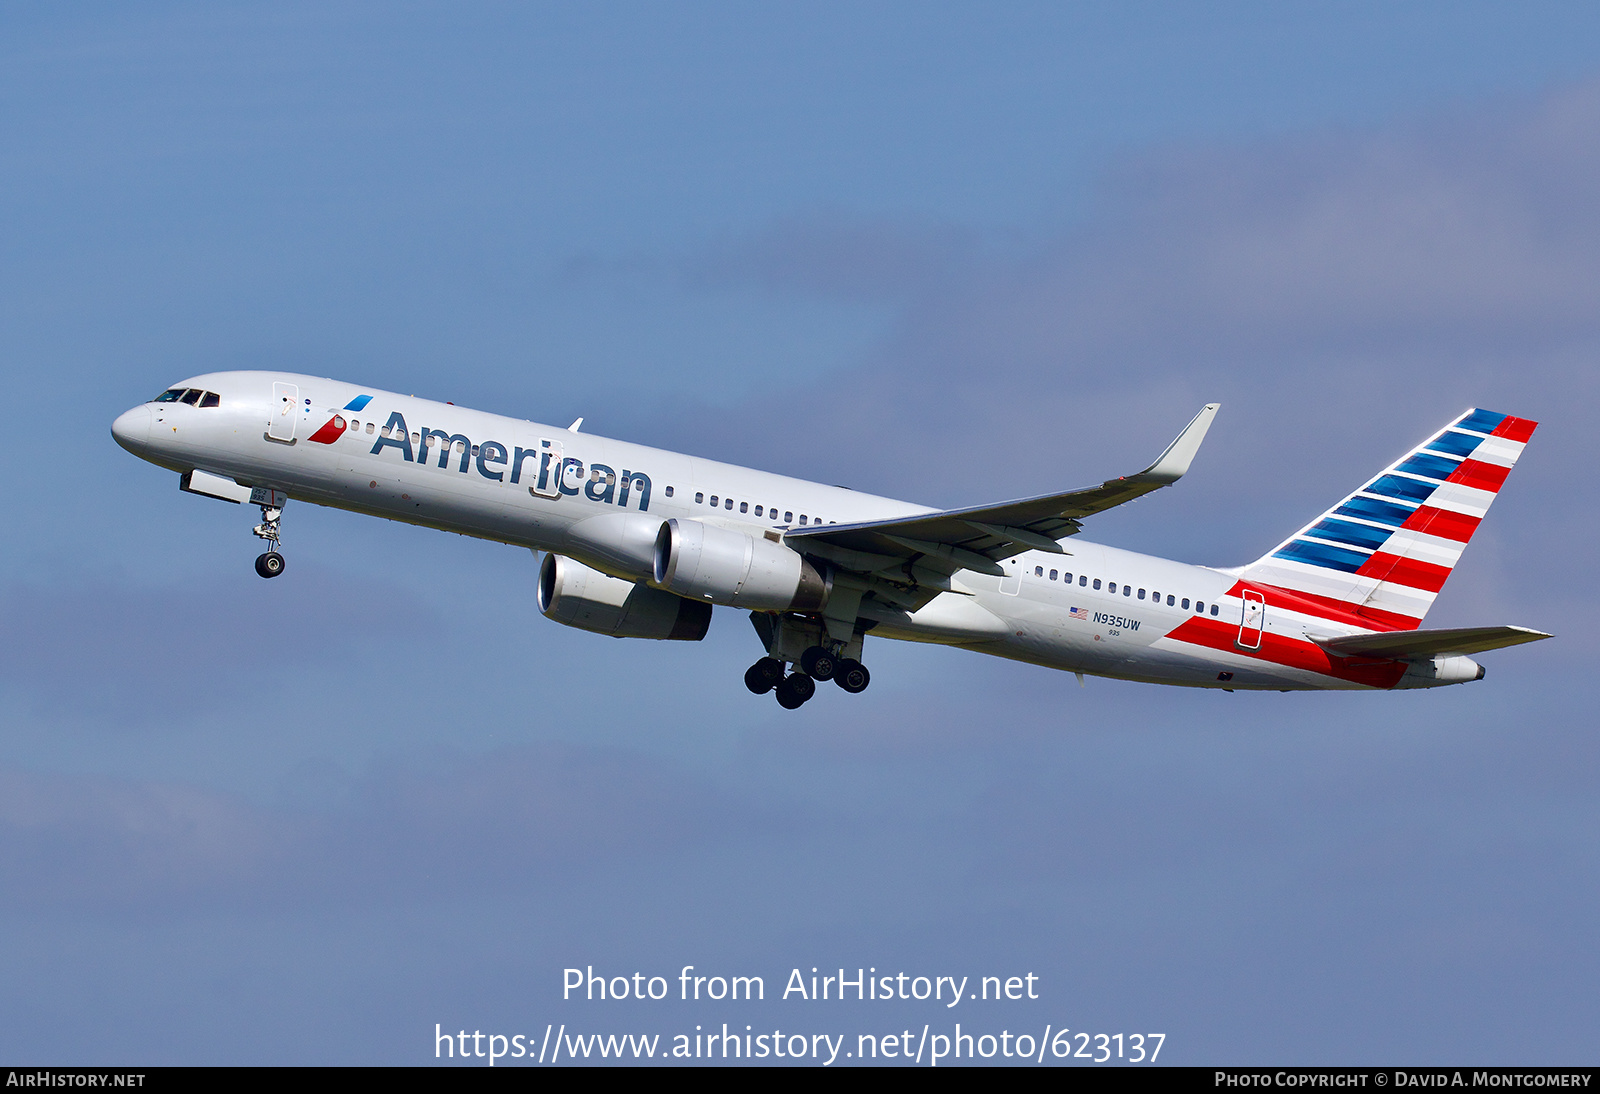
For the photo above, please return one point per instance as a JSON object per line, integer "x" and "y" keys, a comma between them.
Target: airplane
{"x": 642, "y": 543}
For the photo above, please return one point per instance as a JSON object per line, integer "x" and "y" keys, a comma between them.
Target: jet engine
{"x": 705, "y": 562}
{"x": 573, "y": 594}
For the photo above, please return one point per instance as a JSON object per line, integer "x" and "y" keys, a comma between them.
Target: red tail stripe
{"x": 1328, "y": 607}
{"x": 1405, "y": 571}
{"x": 1280, "y": 650}
{"x": 1515, "y": 429}
{"x": 1442, "y": 523}
{"x": 1480, "y": 476}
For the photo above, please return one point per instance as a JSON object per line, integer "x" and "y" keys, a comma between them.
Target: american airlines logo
{"x": 544, "y": 469}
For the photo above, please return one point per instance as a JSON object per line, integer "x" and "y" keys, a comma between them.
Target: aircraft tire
{"x": 269, "y": 564}
{"x": 852, "y": 675}
{"x": 793, "y": 690}
{"x": 818, "y": 663}
{"x": 762, "y": 676}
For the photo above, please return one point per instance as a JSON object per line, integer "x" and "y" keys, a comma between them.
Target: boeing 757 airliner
{"x": 641, "y": 543}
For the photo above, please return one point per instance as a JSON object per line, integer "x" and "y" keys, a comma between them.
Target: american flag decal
{"x": 1078, "y": 613}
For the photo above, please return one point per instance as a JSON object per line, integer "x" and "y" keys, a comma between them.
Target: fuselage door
{"x": 1011, "y": 584}
{"x": 285, "y": 411}
{"x": 1255, "y": 614}
{"x": 547, "y": 479}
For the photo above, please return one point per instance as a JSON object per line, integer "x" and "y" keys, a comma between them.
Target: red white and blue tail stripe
{"x": 1379, "y": 557}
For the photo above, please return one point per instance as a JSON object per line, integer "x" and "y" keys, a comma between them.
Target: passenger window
{"x": 1169, "y": 600}
{"x": 369, "y": 427}
{"x": 168, "y": 396}
{"x": 1111, "y": 586}
{"x": 1097, "y": 583}
{"x": 1185, "y": 603}
{"x": 728, "y": 504}
{"x": 788, "y": 517}
{"x": 474, "y": 449}
{"x": 699, "y": 498}
{"x": 413, "y": 438}
{"x": 744, "y": 507}
{"x": 1213, "y": 609}
{"x": 1052, "y": 575}
{"x": 1084, "y": 580}
{"x": 211, "y": 398}
{"x": 1038, "y": 571}
{"x": 758, "y": 510}
{"x": 1199, "y": 606}
{"x": 192, "y": 396}
{"x": 1141, "y": 594}
{"x": 714, "y": 501}
{"x": 669, "y": 491}
{"x": 1127, "y": 590}
{"x": 802, "y": 518}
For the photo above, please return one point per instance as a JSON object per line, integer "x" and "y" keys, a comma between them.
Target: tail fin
{"x": 1379, "y": 557}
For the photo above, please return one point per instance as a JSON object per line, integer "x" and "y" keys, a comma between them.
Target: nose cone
{"x": 132, "y": 430}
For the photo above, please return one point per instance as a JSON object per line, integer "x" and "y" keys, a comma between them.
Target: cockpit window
{"x": 168, "y": 396}
{"x": 211, "y": 398}
{"x": 192, "y": 396}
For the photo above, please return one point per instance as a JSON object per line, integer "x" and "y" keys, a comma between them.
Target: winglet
{"x": 1172, "y": 464}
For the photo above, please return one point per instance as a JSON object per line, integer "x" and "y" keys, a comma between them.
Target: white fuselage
{"x": 482, "y": 478}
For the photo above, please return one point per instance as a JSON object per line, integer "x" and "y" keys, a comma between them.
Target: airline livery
{"x": 641, "y": 543}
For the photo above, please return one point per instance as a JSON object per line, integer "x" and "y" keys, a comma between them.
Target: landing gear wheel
{"x": 852, "y": 675}
{"x": 818, "y": 663}
{"x": 764, "y": 675}
{"x": 269, "y": 564}
{"x": 793, "y": 690}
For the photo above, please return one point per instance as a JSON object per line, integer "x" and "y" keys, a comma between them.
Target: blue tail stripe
{"x": 1384, "y": 512}
{"x": 1484, "y": 421}
{"x": 1321, "y": 554}
{"x": 1456, "y": 444}
{"x": 1343, "y": 531}
{"x": 1433, "y": 467}
{"x": 1393, "y": 486}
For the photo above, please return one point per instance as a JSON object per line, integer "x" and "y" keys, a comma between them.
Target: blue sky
{"x": 942, "y": 253}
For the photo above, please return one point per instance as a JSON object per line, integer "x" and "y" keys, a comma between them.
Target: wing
{"x": 1409, "y": 645}
{"x": 978, "y": 537}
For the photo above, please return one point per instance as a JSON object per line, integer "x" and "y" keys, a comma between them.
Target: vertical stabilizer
{"x": 1379, "y": 557}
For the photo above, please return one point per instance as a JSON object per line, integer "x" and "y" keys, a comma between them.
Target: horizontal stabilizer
{"x": 1410, "y": 645}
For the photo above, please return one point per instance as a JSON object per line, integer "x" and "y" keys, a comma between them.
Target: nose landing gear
{"x": 270, "y": 529}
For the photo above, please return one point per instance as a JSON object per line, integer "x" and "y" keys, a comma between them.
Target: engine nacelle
{"x": 619, "y": 544}
{"x": 722, "y": 566}
{"x": 573, "y": 594}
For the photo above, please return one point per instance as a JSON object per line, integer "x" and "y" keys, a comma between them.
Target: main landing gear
{"x": 803, "y": 641}
{"x": 816, "y": 663}
{"x": 270, "y": 529}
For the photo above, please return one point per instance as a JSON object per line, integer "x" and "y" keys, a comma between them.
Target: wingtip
{"x": 1174, "y": 463}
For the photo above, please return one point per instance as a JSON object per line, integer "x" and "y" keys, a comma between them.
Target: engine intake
{"x": 577, "y": 596}
{"x": 705, "y": 562}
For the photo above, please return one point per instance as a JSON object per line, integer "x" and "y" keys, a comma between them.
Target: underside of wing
{"x": 1410, "y": 645}
{"x": 977, "y": 538}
